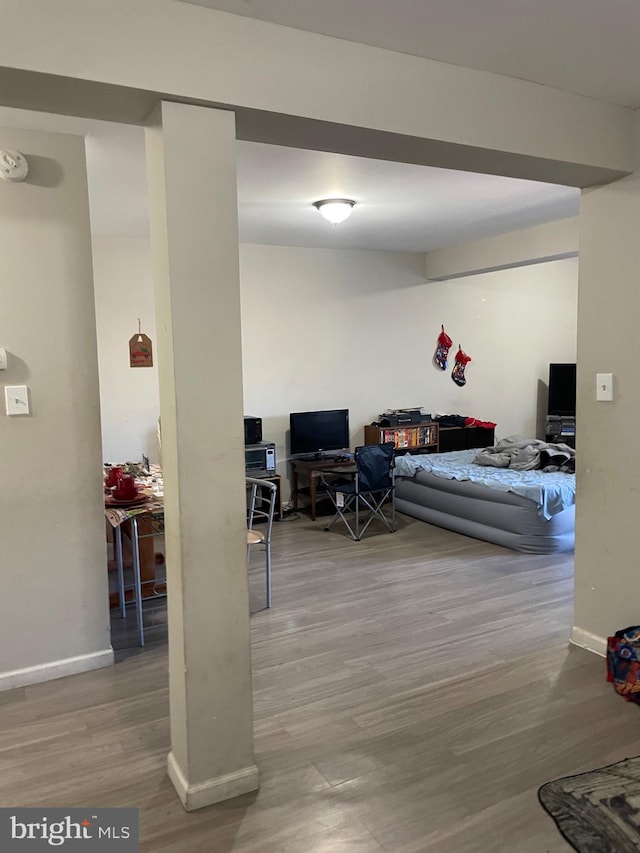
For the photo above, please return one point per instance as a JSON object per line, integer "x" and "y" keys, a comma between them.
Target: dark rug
{"x": 598, "y": 812}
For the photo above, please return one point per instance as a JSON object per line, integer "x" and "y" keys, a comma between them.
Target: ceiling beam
{"x": 116, "y": 60}
{"x": 551, "y": 241}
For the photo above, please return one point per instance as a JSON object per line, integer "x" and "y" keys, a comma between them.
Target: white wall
{"x": 349, "y": 329}
{"x": 54, "y": 614}
{"x": 129, "y": 398}
{"x": 331, "y": 329}
{"x": 357, "y": 330}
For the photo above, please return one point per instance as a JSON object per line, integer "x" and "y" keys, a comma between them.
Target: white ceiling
{"x": 589, "y": 47}
{"x": 399, "y": 207}
{"x": 585, "y": 46}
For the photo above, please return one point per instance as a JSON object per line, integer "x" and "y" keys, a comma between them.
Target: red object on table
{"x": 126, "y": 488}
{"x": 113, "y": 477}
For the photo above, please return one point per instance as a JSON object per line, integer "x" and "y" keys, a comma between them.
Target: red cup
{"x": 126, "y": 488}
{"x": 114, "y": 475}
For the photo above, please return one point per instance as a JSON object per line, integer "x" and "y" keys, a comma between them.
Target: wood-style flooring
{"x": 412, "y": 692}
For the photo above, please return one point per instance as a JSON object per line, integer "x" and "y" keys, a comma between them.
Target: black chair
{"x": 361, "y": 500}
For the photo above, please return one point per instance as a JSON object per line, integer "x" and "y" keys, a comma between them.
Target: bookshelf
{"x": 420, "y": 438}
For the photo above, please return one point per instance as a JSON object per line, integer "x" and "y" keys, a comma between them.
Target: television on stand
{"x": 319, "y": 434}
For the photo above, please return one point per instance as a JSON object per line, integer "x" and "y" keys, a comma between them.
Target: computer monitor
{"x": 318, "y": 432}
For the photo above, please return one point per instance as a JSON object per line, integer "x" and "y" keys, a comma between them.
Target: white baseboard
{"x": 590, "y": 642}
{"x": 55, "y": 669}
{"x": 213, "y": 790}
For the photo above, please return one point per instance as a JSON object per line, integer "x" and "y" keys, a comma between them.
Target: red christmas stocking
{"x": 462, "y": 359}
{"x": 442, "y": 350}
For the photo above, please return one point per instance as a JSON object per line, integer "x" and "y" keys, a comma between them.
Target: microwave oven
{"x": 260, "y": 458}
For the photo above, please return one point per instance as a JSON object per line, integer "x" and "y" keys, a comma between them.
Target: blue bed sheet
{"x": 551, "y": 492}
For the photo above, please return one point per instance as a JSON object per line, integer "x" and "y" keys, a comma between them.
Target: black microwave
{"x": 260, "y": 458}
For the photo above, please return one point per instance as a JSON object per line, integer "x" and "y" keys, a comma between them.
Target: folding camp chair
{"x": 360, "y": 501}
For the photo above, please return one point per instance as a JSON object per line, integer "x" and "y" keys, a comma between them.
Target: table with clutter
{"x": 134, "y": 509}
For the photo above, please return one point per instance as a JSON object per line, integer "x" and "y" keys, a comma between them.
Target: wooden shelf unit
{"x": 416, "y": 438}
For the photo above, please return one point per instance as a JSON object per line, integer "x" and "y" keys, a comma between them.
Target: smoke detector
{"x": 13, "y": 165}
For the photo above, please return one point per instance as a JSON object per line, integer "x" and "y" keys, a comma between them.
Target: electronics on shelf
{"x": 400, "y": 417}
{"x": 252, "y": 429}
{"x": 260, "y": 458}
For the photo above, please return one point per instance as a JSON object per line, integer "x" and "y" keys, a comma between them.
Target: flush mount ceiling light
{"x": 335, "y": 210}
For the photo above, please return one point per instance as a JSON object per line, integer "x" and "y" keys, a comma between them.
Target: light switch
{"x": 3, "y": 358}
{"x": 604, "y": 387}
{"x": 17, "y": 399}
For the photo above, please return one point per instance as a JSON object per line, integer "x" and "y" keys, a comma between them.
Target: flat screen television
{"x": 317, "y": 432}
{"x": 562, "y": 389}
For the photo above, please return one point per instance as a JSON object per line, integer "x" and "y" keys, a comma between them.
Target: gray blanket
{"x": 527, "y": 454}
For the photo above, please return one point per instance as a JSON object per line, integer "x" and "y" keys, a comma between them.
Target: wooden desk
{"x": 309, "y": 471}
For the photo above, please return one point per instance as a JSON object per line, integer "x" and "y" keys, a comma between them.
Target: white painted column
{"x": 608, "y": 464}
{"x": 194, "y": 236}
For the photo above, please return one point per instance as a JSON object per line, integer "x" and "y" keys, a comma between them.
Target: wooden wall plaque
{"x": 140, "y": 351}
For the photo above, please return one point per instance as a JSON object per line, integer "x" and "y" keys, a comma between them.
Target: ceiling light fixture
{"x": 335, "y": 210}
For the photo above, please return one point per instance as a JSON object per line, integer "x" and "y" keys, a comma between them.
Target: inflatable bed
{"x": 527, "y": 510}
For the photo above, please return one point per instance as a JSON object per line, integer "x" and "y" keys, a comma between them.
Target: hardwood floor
{"x": 411, "y": 691}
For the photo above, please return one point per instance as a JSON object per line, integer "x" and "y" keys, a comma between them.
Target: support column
{"x": 608, "y": 467}
{"x": 194, "y": 237}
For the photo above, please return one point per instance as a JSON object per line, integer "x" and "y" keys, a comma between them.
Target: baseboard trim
{"x": 591, "y": 642}
{"x": 213, "y": 790}
{"x": 55, "y": 669}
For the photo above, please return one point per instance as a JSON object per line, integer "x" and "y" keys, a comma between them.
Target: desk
{"x": 309, "y": 470}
